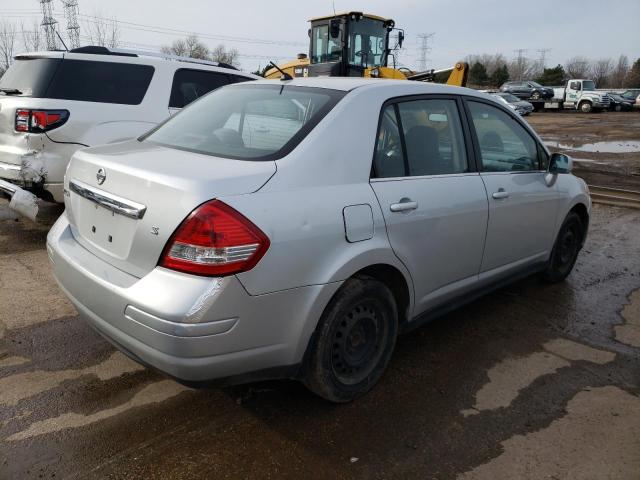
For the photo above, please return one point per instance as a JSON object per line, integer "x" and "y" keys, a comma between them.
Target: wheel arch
{"x": 581, "y": 210}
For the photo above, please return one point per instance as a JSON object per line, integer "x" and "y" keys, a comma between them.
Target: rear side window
{"x": 30, "y": 76}
{"x": 421, "y": 137}
{"x": 246, "y": 122}
{"x": 104, "y": 82}
{"x": 189, "y": 85}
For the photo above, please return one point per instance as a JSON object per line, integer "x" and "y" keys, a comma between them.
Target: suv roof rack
{"x": 97, "y": 50}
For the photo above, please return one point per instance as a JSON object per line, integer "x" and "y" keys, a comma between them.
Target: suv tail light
{"x": 214, "y": 240}
{"x": 38, "y": 121}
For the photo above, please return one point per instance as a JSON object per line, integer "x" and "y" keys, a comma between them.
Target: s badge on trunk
{"x": 101, "y": 176}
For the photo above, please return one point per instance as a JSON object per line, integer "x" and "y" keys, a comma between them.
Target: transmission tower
{"x": 543, "y": 56}
{"x": 424, "y": 48}
{"x": 71, "y": 13}
{"x": 49, "y": 24}
{"x": 520, "y": 62}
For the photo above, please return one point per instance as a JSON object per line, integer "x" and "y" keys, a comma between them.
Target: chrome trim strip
{"x": 109, "y": 201}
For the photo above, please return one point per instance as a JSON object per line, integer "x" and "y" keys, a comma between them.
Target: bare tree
{"x": 522, "y": 68}
{"x": 620, "y": 72}
{"x": 189, "y": 47}
{"x": 103, "y": 31}
{"x": 220, "y": 54}
{"x": 577, "y": 67}
{"x": 8, "y": 37}
{"x": 601, "y": 72}
{"x": 490, "y": 61}
{"x": 32, "y": 39}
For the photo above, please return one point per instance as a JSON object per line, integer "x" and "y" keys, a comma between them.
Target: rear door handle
{"x": 404, "y": 205}
{"x": 500, "y": 194}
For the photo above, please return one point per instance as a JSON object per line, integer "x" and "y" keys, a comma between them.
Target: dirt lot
{"x": 605, "y": 146}
{"x": 534, "y": 381}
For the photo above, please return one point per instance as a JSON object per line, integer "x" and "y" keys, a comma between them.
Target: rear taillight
{"x": 214, "y": 240}
{"x": 38, "y": 121}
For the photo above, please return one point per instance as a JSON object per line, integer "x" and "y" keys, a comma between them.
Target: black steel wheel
{"x": 354, "y": 340}
{"x": 566, "y": 249}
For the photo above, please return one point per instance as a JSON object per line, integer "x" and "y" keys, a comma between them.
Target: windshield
{"x": 509, "y": 98}
{"x": 588, "y": 85}
{"x": 30, "y": 77}
{"x": 367, "y": 43}
{"x": 248, "y": 122}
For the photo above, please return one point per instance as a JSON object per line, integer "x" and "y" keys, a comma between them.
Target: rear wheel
{"x": 566, "y": 249}
{"x": 354, "y": 341}
{"x": 535, "y": 96}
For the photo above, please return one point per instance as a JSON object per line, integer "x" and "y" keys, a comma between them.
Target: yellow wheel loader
{"x": 356, "y": 44}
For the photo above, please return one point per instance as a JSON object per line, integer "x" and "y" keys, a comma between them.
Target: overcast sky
{"x": 278, "y": 28}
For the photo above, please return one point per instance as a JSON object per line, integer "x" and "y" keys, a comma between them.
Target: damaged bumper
{"x": 21, "y": 201}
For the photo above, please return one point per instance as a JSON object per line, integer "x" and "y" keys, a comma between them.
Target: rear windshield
{"x": 81, "y": 80}
{"x": 247, "y": 122}
{"x": 30, "y": 77}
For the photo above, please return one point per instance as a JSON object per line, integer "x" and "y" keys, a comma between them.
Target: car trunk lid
{"x": 125, "y": 200}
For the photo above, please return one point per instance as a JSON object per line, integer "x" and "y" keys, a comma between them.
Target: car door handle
{"x": 500, "y": 194}
{"x": 404, "y": 205}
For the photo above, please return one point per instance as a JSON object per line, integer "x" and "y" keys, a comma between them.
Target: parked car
{"x": 632, "y": 94}
{"x": 527, "y": 90}
{"x": 53, "y": 103}
{"x": 521, "y": 107}
{"x": 618, "y": 103}
{"x": 292, "y": 229}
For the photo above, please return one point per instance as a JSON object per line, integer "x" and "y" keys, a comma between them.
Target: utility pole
{"x": 49, "y": 24}
{"x": 71, "y": 12}
{"x": 543, "y": 55}
{"x": 424, "y": 48}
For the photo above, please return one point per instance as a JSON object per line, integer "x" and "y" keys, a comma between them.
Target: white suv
{"x": 54, "y": 103}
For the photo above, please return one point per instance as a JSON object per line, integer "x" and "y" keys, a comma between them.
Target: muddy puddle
{"x": 617, "y": 146}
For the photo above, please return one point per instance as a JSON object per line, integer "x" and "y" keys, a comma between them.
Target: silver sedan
{"x": 293, "y": 229}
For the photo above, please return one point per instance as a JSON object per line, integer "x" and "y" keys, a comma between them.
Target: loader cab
{"x": 348, "y": 44}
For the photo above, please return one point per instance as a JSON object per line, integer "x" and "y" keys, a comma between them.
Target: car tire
{"x": 618, "y": 108}
{"x": 353, "y": 342}
{"x": 585, "y": 107}
{"x": 565, "y": 250}
{"x": 535, "y": 96}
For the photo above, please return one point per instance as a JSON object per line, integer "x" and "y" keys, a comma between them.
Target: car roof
{"x": 351, "y": 83}
{"x": 132, "y": 56}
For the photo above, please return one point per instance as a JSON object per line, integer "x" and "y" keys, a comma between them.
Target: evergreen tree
{"x": 478, "y": 74}
{"x": 552, "y": 76}
{"x": 500, "y": 76}
{"x": 633, "y": 77}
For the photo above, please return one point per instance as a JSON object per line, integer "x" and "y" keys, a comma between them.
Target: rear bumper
{"x": 40, "y": 169}
{"x": 193, "y": 328}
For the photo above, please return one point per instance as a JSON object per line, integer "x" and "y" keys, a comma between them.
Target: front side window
{"x": 247, "y": 122}
{"x": 189, "y": 85}
{"x": 104, "y": 82}
{"x": 504, "y": 144}
{"x": 324, "y": 48}
{"x": 429, "y": 141}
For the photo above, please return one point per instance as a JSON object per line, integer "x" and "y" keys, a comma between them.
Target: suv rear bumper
{"x": 193, "y": 328}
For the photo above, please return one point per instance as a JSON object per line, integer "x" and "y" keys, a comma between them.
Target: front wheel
{"x": 566, "y": 249}
{"x": 354, "y": 340}
{"x": 586, "y": 107}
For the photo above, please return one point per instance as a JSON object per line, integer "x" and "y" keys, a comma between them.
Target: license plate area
{"x": 103, "y": 228}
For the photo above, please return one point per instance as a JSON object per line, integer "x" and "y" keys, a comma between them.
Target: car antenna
{"x": 285, "y": 75}
{"x": 63, "y": 44}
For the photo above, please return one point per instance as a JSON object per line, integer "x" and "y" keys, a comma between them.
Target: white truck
{"x": 579, "y": 94}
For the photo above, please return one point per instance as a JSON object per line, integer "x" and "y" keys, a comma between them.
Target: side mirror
{"x": 334, "y": 28}
{"x": 560, "y": 163}
{"x": 400, "y": 38}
